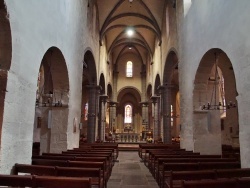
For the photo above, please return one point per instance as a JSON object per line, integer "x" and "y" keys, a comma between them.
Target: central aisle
{"x": 129, "y": 172}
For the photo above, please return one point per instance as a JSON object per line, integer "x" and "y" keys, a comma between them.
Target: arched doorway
{"x": 5, "y": 57}
{"x": 51, "y": 114}
{"x": 215, "y": 84}
{"x": 89, "y": 98}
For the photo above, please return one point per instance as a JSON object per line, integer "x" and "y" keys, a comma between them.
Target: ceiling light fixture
{"x": 130, "y": 2}
{"x": 130, "y": 32}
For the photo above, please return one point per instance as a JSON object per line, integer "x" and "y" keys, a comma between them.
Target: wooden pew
{"x": 88, "y": 157}
{"x": 16, "y": 181}
{"x": 62, "y": 182}
{"x": 159, "y": 159}
{"x": 159, "y": 165}
{"x": 222, "y": 183}
{"x": 143, "y": 147}
{"x": 100, "y": 146}
{"x": 93, "y": 173}
{"x": 44, "y": 181}
{"x": 169, "y": 167}
{"x": 88, "y": 163}
{"x": 175, "y": 177}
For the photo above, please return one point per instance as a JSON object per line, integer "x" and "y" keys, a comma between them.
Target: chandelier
{"x": 218, "y": 88}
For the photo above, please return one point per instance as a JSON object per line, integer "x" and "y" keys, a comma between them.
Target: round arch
{"x": 129, "y": 95}
{"x": 52, "y": 99}
{"x": 223, "y": 126}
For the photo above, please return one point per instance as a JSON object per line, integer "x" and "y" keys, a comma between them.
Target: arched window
{"x": 86, "y": 109}
{"x": 129, "y": 69}
{"x": 128, "y": 114}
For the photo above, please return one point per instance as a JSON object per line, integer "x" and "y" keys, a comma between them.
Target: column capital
{"x": 145, "y": 103}
{"x": 103, "y": 98}
{"x": 112, "y": 103}
{"x": 155, "y": 98}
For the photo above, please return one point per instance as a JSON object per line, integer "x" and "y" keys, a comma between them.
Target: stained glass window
{"x": 129, "y": 69}
{"x": 128, "y": 114}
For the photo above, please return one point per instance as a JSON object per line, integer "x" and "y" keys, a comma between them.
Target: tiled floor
{"x": 129, "y": 172}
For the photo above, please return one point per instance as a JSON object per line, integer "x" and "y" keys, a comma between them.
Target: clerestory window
{"x": 129, "y": 69}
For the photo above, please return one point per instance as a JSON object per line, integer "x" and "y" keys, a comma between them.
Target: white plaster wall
{"x": 223, "y": 24}
{"x": 35, "y": 27}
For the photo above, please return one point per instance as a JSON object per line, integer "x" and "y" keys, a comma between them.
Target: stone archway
{"x": 5, "y": 57}
{"x": 169, "y": 91}
{"x": 51, "y": 114}
{"x": 131, "y": 96}
{"x": 214, "y": 127}
{"x": 90, "y": 92}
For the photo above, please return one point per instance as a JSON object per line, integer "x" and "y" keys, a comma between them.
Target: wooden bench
{"x": 168, "y": 167}
{"x": 61, "y": 182}
{"x": 160, "y": 162}
{"x": 16, "y": 181}
{"x": 90, "y": 157}
{"x": 88, "y": 163}
{"x": 159, "y": 159}
{"x": 100, "y": 146}
{"x": 175, "y": 177}
{"x": 224, "y": 183}
{"x": 143, "y": 147}
{"x": 44, "y": 181}
{"x": 93, "y": 173}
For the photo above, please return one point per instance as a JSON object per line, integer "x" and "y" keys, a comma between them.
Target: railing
{"x": 128, "y": 137}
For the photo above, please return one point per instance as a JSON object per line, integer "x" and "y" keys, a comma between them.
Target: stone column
{"x": 102, "y": 112}
{"x": 92, "y": 109}
{"x": 112, "y": 113}
{"x": 115, "y": 77}
{"x": 166, "y": 107}
{"x": 114, "y": 99}
{"x": 144, "y": 106}
{"x": 156, "y": 132}
{"x": 143, "y": 86}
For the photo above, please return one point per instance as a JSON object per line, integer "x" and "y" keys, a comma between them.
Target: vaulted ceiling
{"x": 143, "y": 17}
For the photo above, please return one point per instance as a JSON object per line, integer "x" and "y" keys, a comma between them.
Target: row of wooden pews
{"x": 84, "y": 167}
{"x": 173, "y": 167}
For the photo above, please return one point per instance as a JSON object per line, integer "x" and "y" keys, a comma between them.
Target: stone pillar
{"x": 166, "y": 107}
{"x": 114, "y": 99}
{"x": 144, "y": 106}
{"x": 112, "y": 113}
{"x": 93, "y": 101}
{"x": 156, "y": 132}
{"x": 102, "y": 112}
{"x": 143, "y": 85}
{"x": 115, "y": 77}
